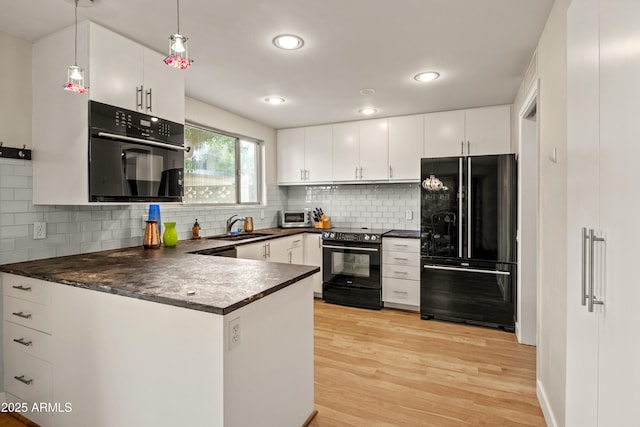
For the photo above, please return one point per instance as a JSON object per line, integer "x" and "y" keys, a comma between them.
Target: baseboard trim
{"x": 549, "y": 416}
{"x": 3, "y": 397}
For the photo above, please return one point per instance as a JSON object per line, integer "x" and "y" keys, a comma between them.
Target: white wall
{"x": 551, "y": 350}
{"x": 15, "y": 92}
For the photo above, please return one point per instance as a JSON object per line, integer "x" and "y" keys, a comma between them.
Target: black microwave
{"x": 134, "y": 157}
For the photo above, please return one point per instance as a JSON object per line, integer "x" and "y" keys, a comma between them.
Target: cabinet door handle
{"x": 139, "y": 95}
{"x": 356, "y": 172}
{"x": 468, "y": 148}
{"x": 402, "y": 259}
{"x": 149, "y": 96}
{"x": 21, "y": 314}
{"x": 401, "y": 272}
{"x": 360, "y": 172}
{"x": 592, "y": 298}
{"x": 269, "y": 250}
{"x": 22, "y": 379}
{"x": 390, "y": 172}
{"x": 462, "y": 148}
{"x": 401, "y": 292}
{"x": 23, "y": 342}
{"x": 22, "y": 288}
{"x": 301, "y": 174}
{"x": 583, "y": 270}
{"x": 401, "y": 246}
{"x": 289, "y": 257}
{"x": 264, "y": 251}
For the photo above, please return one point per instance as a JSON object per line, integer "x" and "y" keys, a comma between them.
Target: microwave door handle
{"x": 143, "y": 141}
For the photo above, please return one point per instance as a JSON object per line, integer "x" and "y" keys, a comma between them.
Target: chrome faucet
{"x": 231, "y": 221}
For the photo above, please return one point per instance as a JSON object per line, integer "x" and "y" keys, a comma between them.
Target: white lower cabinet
{"x": 401, "y": 273}
{"x": 287, "y": 250}
{"x": 28, "y": 342}
{"x": 313, "y": 256}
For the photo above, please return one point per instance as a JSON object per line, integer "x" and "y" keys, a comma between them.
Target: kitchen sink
{"x": 241, "y": 236}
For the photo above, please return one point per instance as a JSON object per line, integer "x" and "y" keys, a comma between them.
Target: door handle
{"x": 139, "y": 95}
{"x": 583, "y": 271}
{"x": 356, "y": 172}
{"x": 592, "y": 298}
{"x": 462, "y": 148}
{"x": 468, "y": 148}
{"x": 390, "y": 172}
{"x": 149, "y": 96}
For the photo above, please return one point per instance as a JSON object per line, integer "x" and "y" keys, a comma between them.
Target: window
{"x": 220, "y": 168}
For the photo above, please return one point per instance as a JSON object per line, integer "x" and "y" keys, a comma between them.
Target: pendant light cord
{"x": 75, "y": 54}
{"x": 178, "y": 7}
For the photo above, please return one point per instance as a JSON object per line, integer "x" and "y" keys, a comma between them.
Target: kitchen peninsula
{"x": 161, "y": 337}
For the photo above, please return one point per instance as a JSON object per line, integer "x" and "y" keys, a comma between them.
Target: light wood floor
{"x": 389, "y": 368}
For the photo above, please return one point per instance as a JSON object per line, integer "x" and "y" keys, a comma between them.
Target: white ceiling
{"x": 480, "y": 47}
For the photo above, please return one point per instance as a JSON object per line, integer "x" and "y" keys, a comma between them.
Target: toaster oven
{"x": 293, "y": 219}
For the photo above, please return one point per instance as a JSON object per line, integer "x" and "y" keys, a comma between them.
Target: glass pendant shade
{"x": 433, "y": 184}
{"x": 178, "y": 57}
{"x": 75, "y": 80}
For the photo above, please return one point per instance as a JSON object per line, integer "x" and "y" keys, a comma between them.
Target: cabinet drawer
{"x": 401, "y": 291}
{"x": 401, "y": 258}
{"x": 30, "y": 341}
{"x": 26, "y": 288}
{"x": 401, "y": 271}
{"x": 27, "y": 313}
{"x": 403, "y": 245}
{"x": 27, "y": 377}
{"x": 295, "y": 242}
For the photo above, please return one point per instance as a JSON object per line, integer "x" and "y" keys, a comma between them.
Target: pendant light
{"x": 75, "y": 74}
{"x": 178, "y": 48}
{"x": 433, "y": 184}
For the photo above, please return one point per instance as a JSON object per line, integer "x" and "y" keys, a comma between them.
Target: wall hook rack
{"x": 14, "y": 153}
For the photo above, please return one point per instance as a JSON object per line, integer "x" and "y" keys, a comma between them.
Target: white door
{"x": 444, "y": 134}
{"x": 114, "y": 81}
{"x": 163, "y": 88}
{"x": 346, "y": 151}
{"x": 290, "y": 156}
{"x": 278, "y": 250}
{"x": 406, "y": 146}
{"x": 318, "y": 153}
{"x": 374, "y": 149}
{"x": 619, "y": 368}
{"x": 488, "y": 130}
{"x": 582, "y": 208}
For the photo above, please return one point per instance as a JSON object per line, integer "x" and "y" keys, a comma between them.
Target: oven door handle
{"x": 351, "y": 248}
{"x": 467, "y": 270}
{"x": 144, "y": 141}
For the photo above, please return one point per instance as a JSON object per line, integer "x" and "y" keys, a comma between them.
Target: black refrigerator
{"x": 468, "y": 239}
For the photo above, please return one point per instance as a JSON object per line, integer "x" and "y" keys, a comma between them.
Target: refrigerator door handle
{"x": 469, "y": 229}
{"x": 467, "y": 270}
{"x": 462, "y": 148}
{"x": 460, "y": 199}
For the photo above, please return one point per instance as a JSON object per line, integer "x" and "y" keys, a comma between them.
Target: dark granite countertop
{"x": 407, "y": 234}
{"x": 173, "y": 276}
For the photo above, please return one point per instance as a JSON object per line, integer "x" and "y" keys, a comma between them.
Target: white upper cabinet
{"x": 145, "y": 84}
{"x": 473, "y": 132}
{"x": 304, "y": 155}
{"x": 374, "y": 150}
{"x": 346, "y": 151}
{"x": 360, "y": 151}
{"x": 488, "y": 130}
{"x": 290, "y": 156}
{"x": 406, "y": 140}
{"x": 444, "y": 134}
{"x": 318, "y": 159}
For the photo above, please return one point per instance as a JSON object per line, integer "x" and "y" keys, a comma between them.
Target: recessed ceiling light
{"x": 367, "y": 111}
{"x": 274, "y": 100}
{"x": 288, "y": 41}
{"x": 367, "y": 91}
{"x": 426, "y": 76}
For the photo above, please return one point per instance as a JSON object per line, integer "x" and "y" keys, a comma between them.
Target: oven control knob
{"x": 374, "y": 237}
{"x": 366, "y": 237}
{"x": 332, "y": 235}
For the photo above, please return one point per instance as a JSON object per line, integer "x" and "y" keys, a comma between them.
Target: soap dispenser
{"x": 195, "y": 230}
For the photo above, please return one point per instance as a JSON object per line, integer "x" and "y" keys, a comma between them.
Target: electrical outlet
{"x": 234, "y": 333}
{"x": 262, "y": 214}
{"x": 39, "y": 230}
{"x": 144, "y": 221}
{"x": 408, "y": 214}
